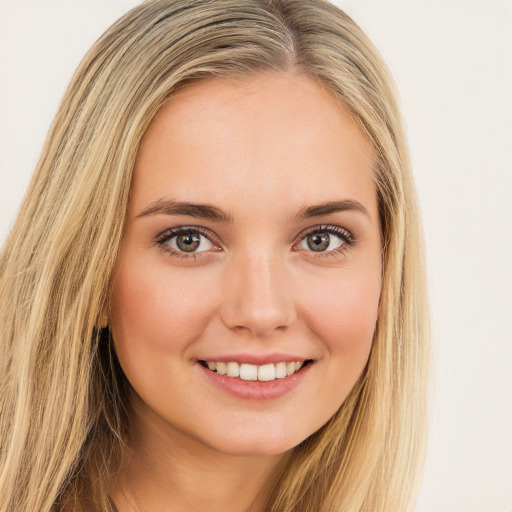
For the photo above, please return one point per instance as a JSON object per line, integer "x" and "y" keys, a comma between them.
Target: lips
{"x": 256, "y": 378}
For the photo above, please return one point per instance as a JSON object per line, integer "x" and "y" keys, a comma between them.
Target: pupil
{"x": 318, "y": 242}
{"x": 188, "y": 242}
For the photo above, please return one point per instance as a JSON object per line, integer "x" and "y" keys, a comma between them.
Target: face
{"x": 247, "y": 284}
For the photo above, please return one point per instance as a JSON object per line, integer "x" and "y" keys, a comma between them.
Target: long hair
{"x": 64, "y": 411}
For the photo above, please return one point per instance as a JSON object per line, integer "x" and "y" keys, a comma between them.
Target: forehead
{"x": 267, "y": 136}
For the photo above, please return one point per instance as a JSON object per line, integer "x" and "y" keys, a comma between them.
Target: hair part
{"x": 64, "y": 409}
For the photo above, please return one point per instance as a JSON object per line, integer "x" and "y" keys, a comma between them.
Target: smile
{"x": 252, "y": 372}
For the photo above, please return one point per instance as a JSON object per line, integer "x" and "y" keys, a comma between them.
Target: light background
{"x": 452, "y": 60}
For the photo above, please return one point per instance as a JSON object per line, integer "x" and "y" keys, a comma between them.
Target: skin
{"x": 261, "y": 149}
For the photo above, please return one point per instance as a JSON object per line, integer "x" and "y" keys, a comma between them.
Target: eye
{"x": 326, "y": 239}
{"x": 183, "y": 241}
{"x": 189, "y": 242}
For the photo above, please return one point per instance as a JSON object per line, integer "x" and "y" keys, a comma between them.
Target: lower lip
{"x": 256, "y": 390}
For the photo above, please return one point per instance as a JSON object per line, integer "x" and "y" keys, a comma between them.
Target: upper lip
{"x": 256, "y": 359}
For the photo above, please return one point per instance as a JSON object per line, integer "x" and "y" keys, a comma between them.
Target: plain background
{"x": 452, "y": 60}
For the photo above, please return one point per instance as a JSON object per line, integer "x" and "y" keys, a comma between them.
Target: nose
{"x": 258, "y": 297}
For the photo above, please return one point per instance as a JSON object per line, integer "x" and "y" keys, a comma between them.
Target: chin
{"x": 262, "y": 444}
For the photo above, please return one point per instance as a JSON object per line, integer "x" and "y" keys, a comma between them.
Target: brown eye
{"x": 326, "y": 239}
{"x": 188, "y": 242}
{"x": 318, "y": 242}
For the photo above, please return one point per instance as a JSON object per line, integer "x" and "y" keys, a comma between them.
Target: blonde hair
{"x": 63, "y": 398}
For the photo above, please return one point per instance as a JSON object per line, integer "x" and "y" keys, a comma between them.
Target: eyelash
{"x": 162, "y": 239}
{"x": 346, "y": 237}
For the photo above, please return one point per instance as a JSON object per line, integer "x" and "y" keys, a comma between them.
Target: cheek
{"x": 154, "y": 310}
{"x": 343, "y": 313}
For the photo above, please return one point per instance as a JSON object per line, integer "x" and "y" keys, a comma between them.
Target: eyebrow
{"x": 170, "y": 207}
{"x": 331, "y": 207}
{"x": 208, "y": 211}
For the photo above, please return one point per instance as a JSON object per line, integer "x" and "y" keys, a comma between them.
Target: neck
{"x": 165, "y": 470}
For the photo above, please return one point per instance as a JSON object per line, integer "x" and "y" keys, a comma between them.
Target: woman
{"x": 213, "y": 296}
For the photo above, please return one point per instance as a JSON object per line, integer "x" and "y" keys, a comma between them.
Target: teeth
{"x": 267, "y": 372}
{"x": 233, "y": 370}
{"x": 252, "y": 372}
{"x": 248, "y": 372}
{"x": 280, "y": 370}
